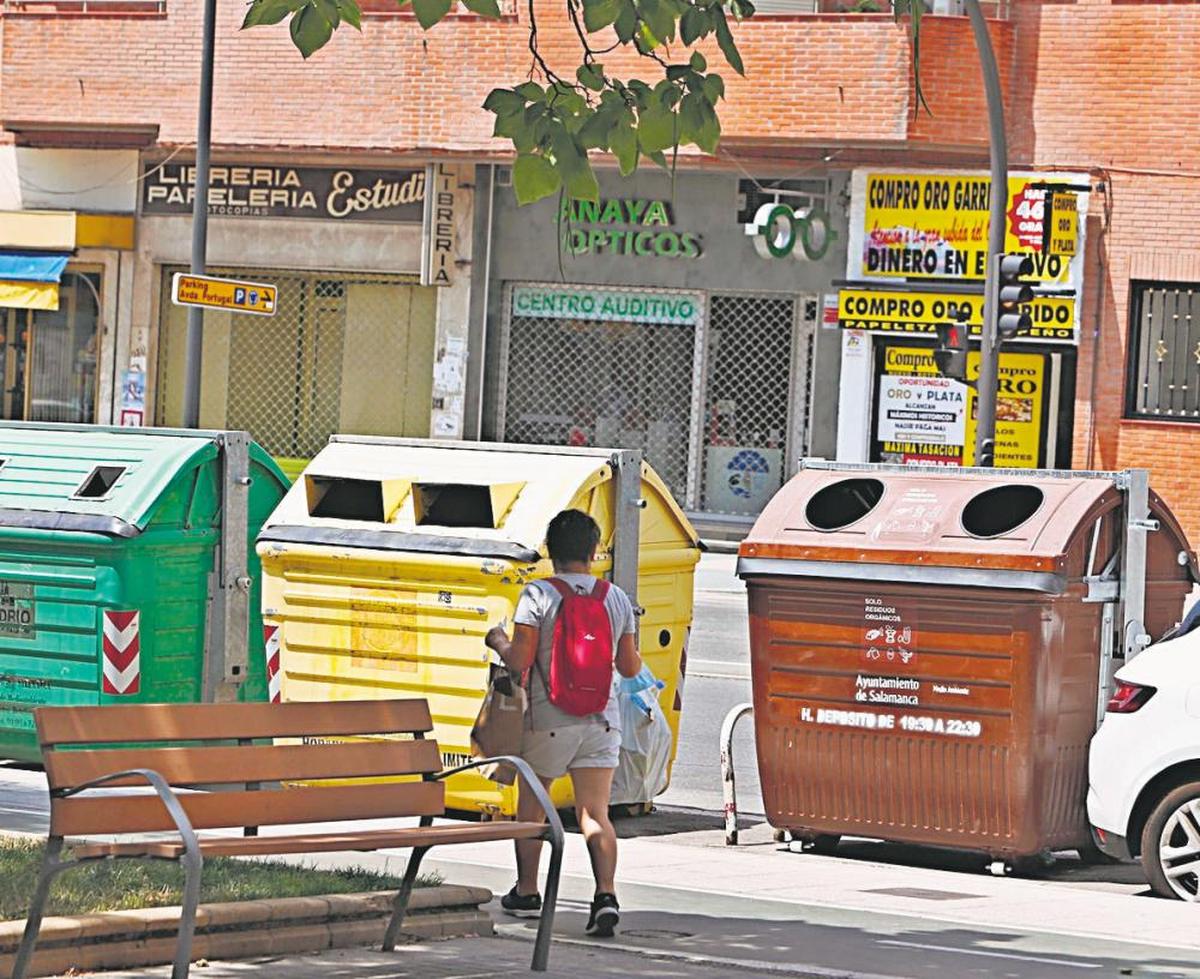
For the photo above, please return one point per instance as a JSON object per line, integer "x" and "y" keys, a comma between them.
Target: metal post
{"x": 195, "y": 322}
{"x": 728, "y": 781}
{"x": 627, "y": 506}
{"x": 1138, "y": 524}
{"x": 989, "y": 373}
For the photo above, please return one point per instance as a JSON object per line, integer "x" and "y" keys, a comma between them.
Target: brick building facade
{"x": 1101, "y": 88}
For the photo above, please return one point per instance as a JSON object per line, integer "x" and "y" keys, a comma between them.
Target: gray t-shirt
{"x": 537, "y": 607}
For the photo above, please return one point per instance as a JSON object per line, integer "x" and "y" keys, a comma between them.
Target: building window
{"x": 1164, "y": 357}
{"x": 77, "y": 7}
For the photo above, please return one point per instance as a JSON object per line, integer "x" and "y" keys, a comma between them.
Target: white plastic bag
{"x": 645, "y": 742}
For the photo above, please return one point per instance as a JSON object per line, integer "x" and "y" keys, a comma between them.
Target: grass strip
{"x": 117, "y": 885}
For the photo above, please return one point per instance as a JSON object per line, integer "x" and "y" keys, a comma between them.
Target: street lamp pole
{"x": 989, "y": 352}
{"x": 195, "y": 323}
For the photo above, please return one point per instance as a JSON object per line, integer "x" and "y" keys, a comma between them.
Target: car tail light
{"x": 1128, "y": 697}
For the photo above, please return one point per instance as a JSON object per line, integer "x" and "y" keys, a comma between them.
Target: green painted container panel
{"x": 66, "y": 579}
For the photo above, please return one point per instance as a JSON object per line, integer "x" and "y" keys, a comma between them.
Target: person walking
{"x": 569, "y": 632}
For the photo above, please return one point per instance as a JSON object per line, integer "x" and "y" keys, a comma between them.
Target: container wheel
{"x": 823, "y": 844}
{"x": 1171, "y": 844}
{"x": 783, "y": 836}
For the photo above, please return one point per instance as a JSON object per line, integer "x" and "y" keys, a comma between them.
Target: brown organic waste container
{"x": 929, "y": 648}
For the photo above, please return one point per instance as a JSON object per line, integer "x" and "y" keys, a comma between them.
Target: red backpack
{"x": 581, "y": 657}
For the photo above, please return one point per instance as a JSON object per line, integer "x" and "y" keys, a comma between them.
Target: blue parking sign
{"x": 239, "y": 296}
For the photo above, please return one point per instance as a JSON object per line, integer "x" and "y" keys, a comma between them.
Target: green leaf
{"x": 591, "y": 76}
{"x": 329, "y": 10}
{"x": 914, "y": 11}
{"x": 531, "y": 92}
{"x": 622, "y": 141}
{"x": 598, "y": 14}
{"x": 593, "y": 134}
{"x": 578, "y": 179}
{"x": 742, "y": 9}
{"x": 659, "y": 159}
{"x": 429, "y": 12}
{"x": 263, "y": 12}
{"x": 699, "y": 123}
{"x": 503, "y": 102}
{"x": 351, "y": 13}
{"x": 725, "y": 40}
{"x": 677, "y": 72}
{"x": 714, "y": 88}
{"x": 310, "y": 31}
{"x": 485, "y": 8}
{"x": 626, "y": 24}
{"x": 694, "y": 25}
{"x": 510, "y": 126}
{"x": 534, "y": 177}
{"x": 659, "y": 18}
{"x": 656, "y": 129}
{"x": 698, "y": 61}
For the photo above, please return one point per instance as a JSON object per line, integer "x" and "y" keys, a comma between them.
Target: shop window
{"x": 48, "y": 357}
{"x": 753, "y": 395}
{"x": 1164, "y": 356}
{"x": 343, "y": 353}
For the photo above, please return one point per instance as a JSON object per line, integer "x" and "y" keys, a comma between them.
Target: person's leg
{"x": 593, "y": 790}
{"x": 529, "y": 852}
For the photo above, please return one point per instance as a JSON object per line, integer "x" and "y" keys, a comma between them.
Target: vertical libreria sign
{"x": 444, "y": 206}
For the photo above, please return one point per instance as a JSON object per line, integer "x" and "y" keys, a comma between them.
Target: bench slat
{"x": 247, "y": 846}
{"x": 109, "y": 813}
{"x": 117, "y": 723}
{"x": 257, "y": 763}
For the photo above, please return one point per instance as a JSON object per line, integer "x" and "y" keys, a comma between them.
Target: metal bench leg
{"x": 541, "y": 948}
{"x": 400, "y": 905}
{"x": 33, "y": 924}
{"x": 193, "y": 864}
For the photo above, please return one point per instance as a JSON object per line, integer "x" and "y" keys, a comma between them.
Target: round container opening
{"x": 843, "y": 503}
{"x": 664, "y": 638}
{"x": 998, "y": 511}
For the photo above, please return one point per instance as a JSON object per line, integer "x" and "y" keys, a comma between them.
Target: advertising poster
{"x": 935, "y": 225}
{"x": 924, "y": 419}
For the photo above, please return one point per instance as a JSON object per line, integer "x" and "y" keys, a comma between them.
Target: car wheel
{"x": 1171, "y": 844}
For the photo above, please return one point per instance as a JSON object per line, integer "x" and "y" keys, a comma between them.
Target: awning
{"x": 29, "y": 280}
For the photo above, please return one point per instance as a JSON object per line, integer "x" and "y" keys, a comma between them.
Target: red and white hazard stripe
{"x": 271, "y": 651}
{"x": 122, "y": 659}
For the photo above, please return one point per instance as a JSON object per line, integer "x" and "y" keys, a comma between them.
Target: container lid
{"x": 479, "y": 499}
{"x": 90, "y": 478}
{"x": 1010, "y": 529}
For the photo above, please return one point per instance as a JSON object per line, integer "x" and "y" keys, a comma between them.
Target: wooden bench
{"x": 228, "y": 749}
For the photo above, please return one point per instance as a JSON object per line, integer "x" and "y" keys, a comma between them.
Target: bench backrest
{"x": 228, "y": 747}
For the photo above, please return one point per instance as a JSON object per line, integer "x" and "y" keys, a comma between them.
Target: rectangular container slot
{"x": 99, "y": 482}
{"x": 349, "y": 498}
{"x": 463, "y": 504}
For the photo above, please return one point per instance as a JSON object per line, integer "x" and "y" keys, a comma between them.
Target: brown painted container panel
{"x": 937, "y": 710}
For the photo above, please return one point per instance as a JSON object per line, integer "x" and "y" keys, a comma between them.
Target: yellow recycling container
{"x": 389, "y": 559}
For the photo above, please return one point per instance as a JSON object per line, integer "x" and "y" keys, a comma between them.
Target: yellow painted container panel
{"x": 366, "y": 624}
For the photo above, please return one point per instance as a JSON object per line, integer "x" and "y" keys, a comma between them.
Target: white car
{"x": 1144, "y": 771}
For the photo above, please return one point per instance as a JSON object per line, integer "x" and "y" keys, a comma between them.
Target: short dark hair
{"x": 572, "y": 536}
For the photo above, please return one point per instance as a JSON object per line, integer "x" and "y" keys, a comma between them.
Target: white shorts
{"x": 554, "y": 752}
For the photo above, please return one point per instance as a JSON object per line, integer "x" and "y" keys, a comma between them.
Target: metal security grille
{"x": 343, "y": 353}
{"x": 750, "y": 405}
{"x": 1165, "y": 361}
{"x": 613, "y": 384}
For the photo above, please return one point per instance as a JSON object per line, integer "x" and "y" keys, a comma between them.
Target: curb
{"x": 239, "y": 929}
